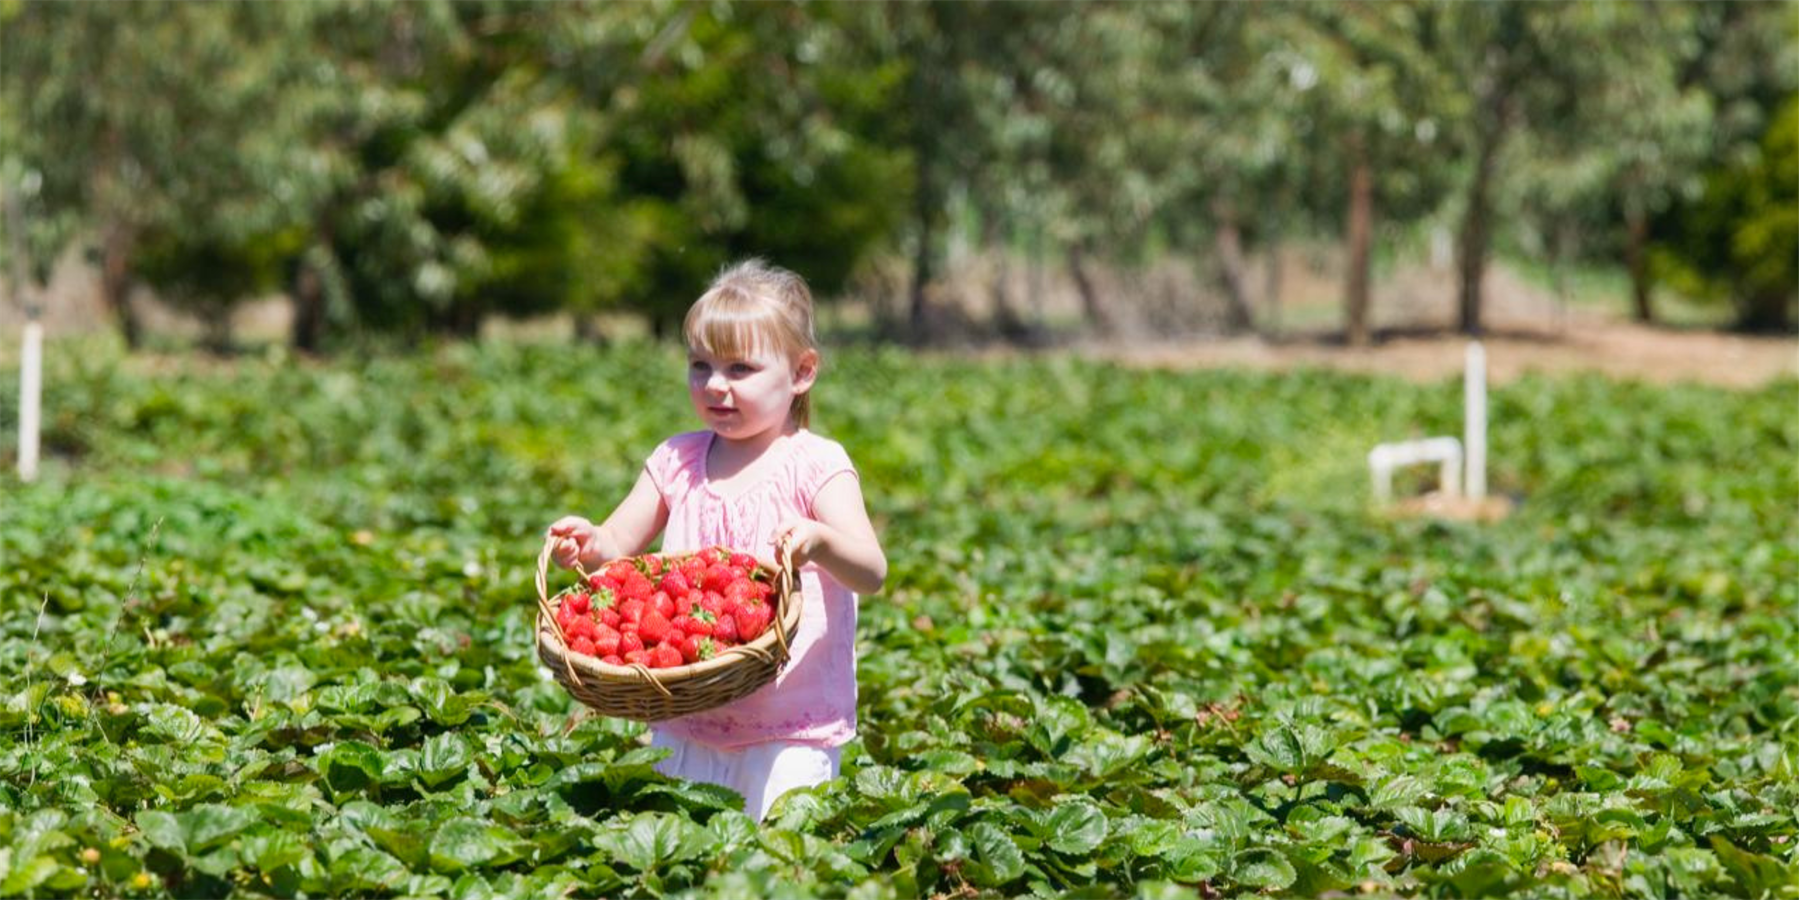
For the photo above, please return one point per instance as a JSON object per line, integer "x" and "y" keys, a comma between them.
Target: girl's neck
{"x": 730, "y": 456}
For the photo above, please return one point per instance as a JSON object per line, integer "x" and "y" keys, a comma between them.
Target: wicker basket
{"x": 651, "y": 695}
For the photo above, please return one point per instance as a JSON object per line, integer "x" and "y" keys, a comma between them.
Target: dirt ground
{"x": 1614, "y": 348}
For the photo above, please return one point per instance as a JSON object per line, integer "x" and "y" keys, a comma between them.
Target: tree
{"x": 118, "y": 133}
{"x": 1379, "y": 98}
{"x": 1731, "y": 237}
{"x": 1534, "y": 76}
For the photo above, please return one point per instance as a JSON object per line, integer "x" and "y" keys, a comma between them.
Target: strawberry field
{"x": 267, "y": 632}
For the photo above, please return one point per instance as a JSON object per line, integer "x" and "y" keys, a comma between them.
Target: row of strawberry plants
{"x": 1126, "y": 650}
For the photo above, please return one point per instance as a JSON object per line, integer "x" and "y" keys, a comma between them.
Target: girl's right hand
{"x": 576, "y": 538}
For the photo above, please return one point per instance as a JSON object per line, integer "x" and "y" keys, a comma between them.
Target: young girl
{"x": 754, "y": 476}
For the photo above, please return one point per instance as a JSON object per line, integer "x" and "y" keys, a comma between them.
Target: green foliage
{"x": 269, "y": 631}
{"x": 413, "y": 168}
{"x": 1736, "y": 242}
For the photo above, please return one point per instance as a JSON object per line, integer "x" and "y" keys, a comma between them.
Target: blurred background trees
{"x": 412, "y": 168}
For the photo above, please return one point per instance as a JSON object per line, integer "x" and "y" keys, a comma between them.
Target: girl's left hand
{"x": 806, "y": 536}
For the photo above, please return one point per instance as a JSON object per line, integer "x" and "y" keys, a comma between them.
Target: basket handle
{"x": 786, "y": 585}
{"x": 547, "y": 614}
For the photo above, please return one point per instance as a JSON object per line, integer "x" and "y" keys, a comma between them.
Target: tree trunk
{"x": 923, "y": 91}
{"x": 1005, "y": 314}
{"x": 1091, "y": 307}
{"x": 1767, "y": 312}
{"x": 216, "y": 321}
{"x": 309, "y": 307}
{"x": 1493, "y": 113}
{"x": 1360, "y": 236}
{"x": 1270, "y": 287}
{"x": 1636, "y": 259}
{"x": 116, "y": 283}
{"x": 1227, "y": 242}
{"x": 1474, "y": 229}
{"x": 588, "y": 331}
{"x": 918, "y": 318}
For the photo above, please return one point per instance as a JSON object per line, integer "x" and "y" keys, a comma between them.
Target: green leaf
{"x": 269, "y": 849}
{"x": 467, "y": 843}
{"x": 1263, "y": 868}
{"x": 27, "y": 875}
{"x": 177, "y": 725}
{"x": 350, "y": 766}
{"x": 163, "y": 830}
{"x": 210, "y": 825}
{"x": 652, "y": 840}
{"x": 1076, "y": 828}
{"x": 444, "y": 757}
{"x": 997, "y": 852}
{"x": 363, "y": 869}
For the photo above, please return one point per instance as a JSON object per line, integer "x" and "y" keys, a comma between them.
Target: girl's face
{"x": 749, "y": 396}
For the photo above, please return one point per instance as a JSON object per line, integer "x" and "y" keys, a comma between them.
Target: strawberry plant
{"x": 1142, "y": 637}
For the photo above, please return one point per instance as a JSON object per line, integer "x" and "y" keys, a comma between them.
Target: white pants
{"x": 760, "y": 772}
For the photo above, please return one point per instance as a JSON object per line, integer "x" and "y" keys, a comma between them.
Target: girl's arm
{"x": 841, "y": 539}
{"x": 627, "y": 532}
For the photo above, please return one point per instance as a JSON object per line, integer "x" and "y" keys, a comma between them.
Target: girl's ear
{"x": 805, "y": 371}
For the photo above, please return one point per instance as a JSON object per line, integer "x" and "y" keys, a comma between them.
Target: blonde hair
{"x": 753, "y": 306}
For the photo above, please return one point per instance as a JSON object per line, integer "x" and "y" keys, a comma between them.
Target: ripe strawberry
{"x": 665, "y": 656}
{"x": 582, "y": 646}
{"x": 725, "y": 630}
{"x": 701, "y": 623}
{"x": 652, "y": 564}
{"x": 663, "y": 604}
{"x": 697, "y": 647}
{"x": 738, "y": 591}
{"x": 713, "y": 602}
{"x": 606, "y": 642}
{"x": 743, "y": 562}
{"x": 629, "y": 642}
{"x": 579, "y": 602}
{"x": 654, "y": 629}
{"x": 618, "y": 569}
{"x": 631, "y": 610}
{"x": 718, "y": 577}
{"x": 613, "y": 659}
{"x": 752, "y": 618}
{"x": 610, "y": 618}
{"x": 674, "y": 583}
{"x": 635, "y": 585}
{"x": 637, "y": 658}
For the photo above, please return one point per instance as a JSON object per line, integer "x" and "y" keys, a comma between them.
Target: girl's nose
{"x": 717, "y": 383}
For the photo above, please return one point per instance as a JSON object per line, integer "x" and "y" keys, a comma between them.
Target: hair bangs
{"x": 732, "y": 324}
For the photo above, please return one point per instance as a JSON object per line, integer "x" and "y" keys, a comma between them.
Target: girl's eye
{"x": 742, "y": 369}
{"x": 699, "y": 366}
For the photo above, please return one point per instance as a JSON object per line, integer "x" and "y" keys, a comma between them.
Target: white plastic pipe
{"x": 1445, "y": 451}
{"x": 1474, "y": 434}
{"x": 30, "y": 390}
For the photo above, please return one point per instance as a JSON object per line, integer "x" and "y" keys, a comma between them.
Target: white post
{"x": 30, "y": 384}
{"x": 1474, "y": 436}
{"x": 31, "y": 370}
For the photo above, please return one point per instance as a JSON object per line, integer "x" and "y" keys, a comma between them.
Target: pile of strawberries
{"x": 666, "y": 612}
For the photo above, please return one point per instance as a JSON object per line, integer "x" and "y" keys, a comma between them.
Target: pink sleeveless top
{"x": 813, "y": 700}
